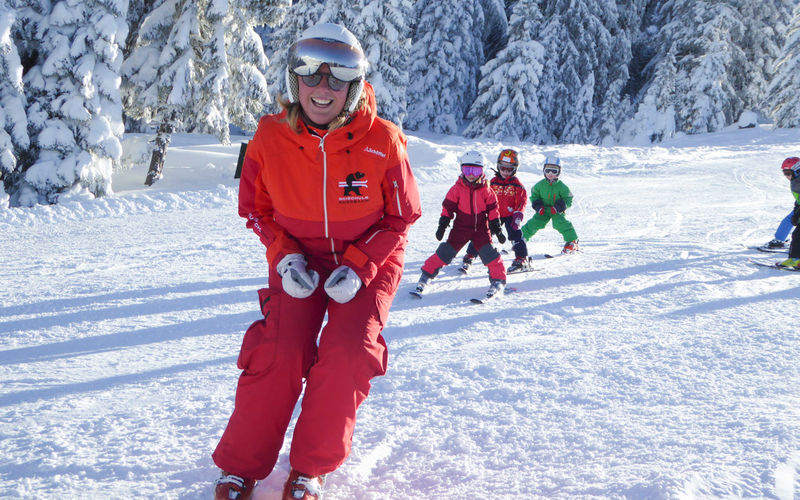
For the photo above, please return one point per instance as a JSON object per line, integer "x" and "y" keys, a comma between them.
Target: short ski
{"x": 554, "y": 255}
{"x": 770, "y": 250}
{"x": 491, "y": 295}
{"x": 776, "y": 266}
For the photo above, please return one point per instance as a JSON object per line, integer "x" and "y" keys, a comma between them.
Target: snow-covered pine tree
{"x": 784, "y": 92}
{"x": 177, "y": 73}
{"x": 214, "y": 91}
{"x": 301, "y": 15}
{"x": 587, "y": 56}
{"x": 495, "y": 27}
{"x": 445, "y": 61}
{"x": 383, "y": 30}
{"x": 763, "y": 36}
{"x": 75, "y": 111}
{"x": 249, "y": 90}
{"x": 13, "y": 119}
{"x": 711, "y": 67}
{"x": 507, "y": 106}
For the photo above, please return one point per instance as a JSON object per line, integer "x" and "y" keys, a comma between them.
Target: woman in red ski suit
{"x": 331, "y": 195}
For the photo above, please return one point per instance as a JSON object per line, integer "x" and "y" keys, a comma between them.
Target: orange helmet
{"x": 508, "y": 158}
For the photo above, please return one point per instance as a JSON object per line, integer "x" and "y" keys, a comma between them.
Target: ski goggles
{"x": 788, "y": 172}
{"x": 346, "y": 63}
{"x": 333, "y": 83}
{"x": 504, "y": 168}
{"x": 472, "y": 170}
{"x": 552, "y": 170}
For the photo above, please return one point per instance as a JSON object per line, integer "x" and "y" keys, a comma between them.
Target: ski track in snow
{"x": 657, "y": 363}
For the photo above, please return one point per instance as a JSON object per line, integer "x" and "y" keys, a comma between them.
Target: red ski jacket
{"x": 350, "y": 191}
{"x": 471, "y": 204}
{"x": 511, "y": 195}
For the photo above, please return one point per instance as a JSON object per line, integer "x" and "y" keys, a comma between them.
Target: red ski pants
{"x": 279, "y": 351}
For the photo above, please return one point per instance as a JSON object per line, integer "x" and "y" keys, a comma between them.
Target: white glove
{"x": 343, "y": 284}
{"x": 297, "y": 282}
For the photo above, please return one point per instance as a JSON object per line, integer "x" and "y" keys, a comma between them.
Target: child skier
{"x": 791, "y": 169}
{"x": 511, "y": 198}
{"x": 785, "y": 227}
{"x": 550, "y": 198}
{"x": 474, "y": 207}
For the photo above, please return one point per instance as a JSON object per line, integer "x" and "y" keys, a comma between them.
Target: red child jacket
{"x": 353, "y": 189}
{"x": 511, "y": 195}
{"x": 471, "y": 204}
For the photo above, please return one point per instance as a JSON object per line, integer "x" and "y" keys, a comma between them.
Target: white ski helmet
{"x": 552, "y": 162}
{"x": 471, "y": 158}
{"x": 331, "y": 44}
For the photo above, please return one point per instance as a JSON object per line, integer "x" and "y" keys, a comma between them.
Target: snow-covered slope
{"x": 659, "y": 363}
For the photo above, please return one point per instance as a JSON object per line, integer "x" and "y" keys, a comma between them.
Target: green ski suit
{"x": 548, "y": 194}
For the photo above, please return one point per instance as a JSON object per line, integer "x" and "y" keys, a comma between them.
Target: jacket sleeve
{"x": 450, "y": 203}
{"x": 492, "y": 212}
{"x": 401, "y": 208}
{"x": 520, "y": 197}
{"x": 566, "y": 195}
{"x": 255, "y": 204}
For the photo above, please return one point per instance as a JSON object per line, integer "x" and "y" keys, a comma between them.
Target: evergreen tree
{"x": 249, "y": 90}
{"x": 784, "y": 93}
{"x": 383, "y": 30}
{"x": 446, "y": 57}
{"x": 507, "y": 106}
{"x": 711, "y": 66}
{"x": 762, "y": 38}
{"x": 75, "y": 112}
{"x": 587, "y": 59}
{"x": 495, "y": 27}
{"x": 13, "y": 119}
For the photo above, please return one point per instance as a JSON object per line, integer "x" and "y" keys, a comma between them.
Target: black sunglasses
{"x": 333, "y": 83}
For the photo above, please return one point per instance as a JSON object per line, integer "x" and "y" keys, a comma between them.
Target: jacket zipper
{"x": 397, "y": 197}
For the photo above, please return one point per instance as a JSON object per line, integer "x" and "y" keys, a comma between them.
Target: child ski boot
{"x": 774, "y": 244}
{"x": 466, "y": 263}
{"x": 424, "y": 279}
{"x": 570, "y": 247}
{"x": 519, "y": 265}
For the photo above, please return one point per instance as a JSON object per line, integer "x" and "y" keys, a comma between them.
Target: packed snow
{"x": 659, "y": 363}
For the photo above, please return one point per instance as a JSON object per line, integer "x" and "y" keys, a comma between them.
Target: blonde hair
{"x": 293, "y": 111}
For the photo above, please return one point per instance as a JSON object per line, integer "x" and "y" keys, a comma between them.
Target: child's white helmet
{"x": 471, "y": 158}
{"x": 552, "y": 162}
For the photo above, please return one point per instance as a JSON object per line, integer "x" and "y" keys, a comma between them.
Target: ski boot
{"x": 570, "y": 247}
{"x": 300, "y": 486}
{"x": 424, "y": 279}
{"x": 790, "y": 262}
{"x": 231, "y": 487}
{"x": 496, "y": 286}
{"x": 520, "y": 264}
{"x": 466, "y": 263}
{"x": 774, "y": 244}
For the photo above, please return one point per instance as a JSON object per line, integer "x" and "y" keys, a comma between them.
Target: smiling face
{"x": 321, "y": 104}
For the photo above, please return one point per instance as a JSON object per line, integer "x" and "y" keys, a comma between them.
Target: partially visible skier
{"x": 511, "y": 200}
{"x": 550, "y": 198}
{"x": 474, "y": 206}
{"x": 786, "y": 225}
{"x": 791, "y": 169}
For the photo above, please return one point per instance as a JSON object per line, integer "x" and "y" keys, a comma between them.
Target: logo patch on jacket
{"x": 352, "y": 185}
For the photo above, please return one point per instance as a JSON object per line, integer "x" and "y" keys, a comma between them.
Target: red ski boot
{"x": 300, "y": 486}
{"x": 232, "y": 487}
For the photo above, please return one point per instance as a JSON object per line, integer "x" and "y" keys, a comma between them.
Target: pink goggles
{"x": 473, "y": 170}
